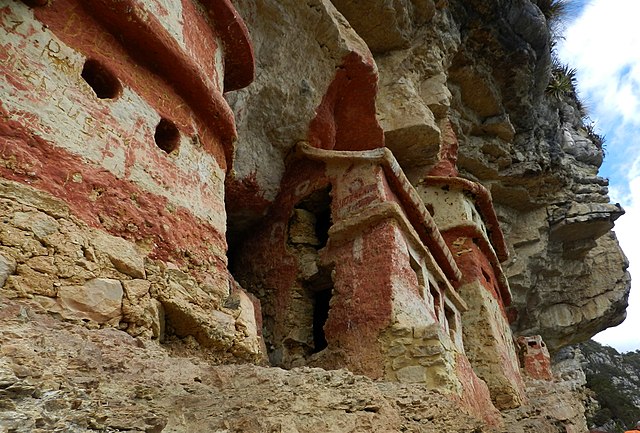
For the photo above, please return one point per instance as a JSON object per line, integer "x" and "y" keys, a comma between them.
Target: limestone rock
{"x": 411, "y": 130}
{"x": 542, "y": 171}
{"x": 302, "y": 228}
{"x": 386, "y": 25}
{"x": 28, "y": 281}
{"x": 590, "y": 293}
{"x": 274, "y": 113}
{"x": 7, "y": 267}
{"x": 190, "y": 312}
{"x": 138, "y": 309}
{"x": 485, "y": 66}
{"x": 436, "y": 94}
{"x": 477, "y": 90}
{"x": 498, "y": 126}
{"x": 40, "y": 224}
{"x": 122, "y": 254}
{"x": 99, "y": 300}
{"x": 247, "y": 322}
{"x": 480, "y": 66}
{"x": 581, "y": 148}
{"x": 156, "y": 311}
{"x": 57, "y": 375}
{"x": 31, "y": 197}
{"x": 528, "y": 177}
{"x": 583, "y": 221}
{"x": 136, "y": 289}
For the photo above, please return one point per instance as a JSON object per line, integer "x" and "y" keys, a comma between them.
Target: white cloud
{"x": 603, "y": 44}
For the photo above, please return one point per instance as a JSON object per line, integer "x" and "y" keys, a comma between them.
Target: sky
{"x": 602, "y": 41}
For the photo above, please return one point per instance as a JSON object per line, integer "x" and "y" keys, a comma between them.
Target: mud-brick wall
{"x": 113, "y": 174}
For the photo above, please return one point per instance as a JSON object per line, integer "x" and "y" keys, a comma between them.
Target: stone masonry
{"x": 314, "y": 186}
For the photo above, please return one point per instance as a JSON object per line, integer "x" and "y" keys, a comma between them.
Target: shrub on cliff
{"x": 554, "y": 9}
{"x": 614, "y": 379}
{"x": 562, "y": 82}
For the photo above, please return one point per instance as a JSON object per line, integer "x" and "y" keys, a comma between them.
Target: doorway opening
{"x": 308, "y": 235}
{"x": 321, "y": 305}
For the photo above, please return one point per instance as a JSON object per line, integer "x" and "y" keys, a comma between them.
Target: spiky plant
{"x": 554, "y": 10}
{"x": 584, "y": 108}
{"x": 562, "y": 82}
{"x": 593, "y": 135}
{"x": 556, "y": 13}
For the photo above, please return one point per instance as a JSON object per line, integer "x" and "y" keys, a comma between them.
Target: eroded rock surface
{"x": 59, "y": 376}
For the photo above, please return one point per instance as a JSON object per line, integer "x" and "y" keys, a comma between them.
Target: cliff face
{"x": 484, "y": 68}
{"x": 387, "y": 188}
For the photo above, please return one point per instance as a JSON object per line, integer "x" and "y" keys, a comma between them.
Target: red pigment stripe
{"x": 346, "y": 117}
{"x": 147, "y": 43}
{"x": 239, "y": 57}
{"x": 104, "y": 201}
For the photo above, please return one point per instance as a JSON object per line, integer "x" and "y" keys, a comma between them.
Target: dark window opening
{"x": 323, "y": 223}
{"x": 319, "y": 204}
{"x": 418, "y": 271}
{"x": 532, "y": 344}
{"x": 451, "y": 322}
{"x": 103, "y": 82}
{"x": 320, "y": 281}
{"x": 321, "y": 304}
{"x": 430, "y": 208}
{"x": 436, "y": 300}
{"x": 167, "y": 135}
{"x": 34, "y": 3}
{"x": 308, "y": 234}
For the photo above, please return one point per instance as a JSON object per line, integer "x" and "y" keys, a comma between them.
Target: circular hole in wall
{"x": 101, "y": 80}
{"x": 167, "y": 135}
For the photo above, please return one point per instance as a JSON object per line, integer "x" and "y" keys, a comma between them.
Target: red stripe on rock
{"x": 106, "y": 202}
{"x": 346, "y": 117}
{"x": 123, "y": 38}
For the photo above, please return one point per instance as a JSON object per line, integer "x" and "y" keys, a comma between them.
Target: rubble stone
{"x": 99, "y": 300}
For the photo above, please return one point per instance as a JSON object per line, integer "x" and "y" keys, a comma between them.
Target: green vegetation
{"x": 554, "y": 9}
{"x": 614, "y": 404}
{"x": 563, "y": 81}
{"x": 556, "y": 12}
{"x": 597, "y": 139}
{"x": 613, "y": 378}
